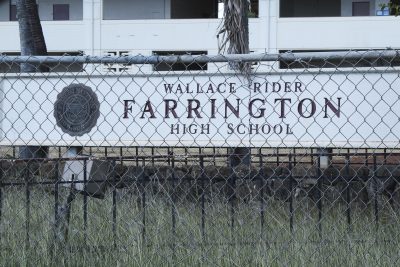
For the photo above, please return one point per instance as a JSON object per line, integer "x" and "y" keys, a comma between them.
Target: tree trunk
{"x": 236, "y": 31}
{"x": 30, "y": 34}
{"x": 32, "y": 44}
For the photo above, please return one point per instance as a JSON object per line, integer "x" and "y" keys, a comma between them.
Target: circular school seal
{"x": 76, "y": 109}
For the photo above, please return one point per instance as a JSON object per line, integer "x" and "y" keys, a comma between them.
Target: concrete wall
{"x": 134, "y": 9}
{"x": 338, "y": 33}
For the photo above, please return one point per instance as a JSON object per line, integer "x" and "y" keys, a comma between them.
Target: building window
{"x": 194, "y": 9}
{"x": 164, "y": 66}
{"x": 311, "y": 8}
{"x": 60, "y": 12}
{"x": 13, "y": 13}
{"x": 360, "y": 9}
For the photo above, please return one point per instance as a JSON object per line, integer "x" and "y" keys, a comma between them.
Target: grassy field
{"x": 244, "y": 244}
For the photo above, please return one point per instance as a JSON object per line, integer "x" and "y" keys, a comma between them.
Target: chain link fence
{"x": 183, "y": 160}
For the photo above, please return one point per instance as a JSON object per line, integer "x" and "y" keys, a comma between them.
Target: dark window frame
{"x": 353, "y": 8}
{"x": 13, "y": 12}
{"x": 58, "y": 13}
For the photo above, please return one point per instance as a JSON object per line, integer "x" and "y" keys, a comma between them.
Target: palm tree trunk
{"x": 235, "y": 28}
{"x": 31, "y": 34}
{"x": 32, "y": 44}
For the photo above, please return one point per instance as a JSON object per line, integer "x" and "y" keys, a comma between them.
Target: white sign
{"x": 291, "y": 110}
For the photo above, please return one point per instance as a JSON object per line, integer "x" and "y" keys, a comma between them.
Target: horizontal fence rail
{"x": 260, "y": 159}
{"x": 142, "y": 59}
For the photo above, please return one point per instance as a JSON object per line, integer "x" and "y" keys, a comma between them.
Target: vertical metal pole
{"x": 376, "y": 206}
{"x": 319, "y": 201}
{"x": 262, "y": 200}
{"x": 169, "y": 156}
{"x": 1, "y": 202}
{"x": 312, "y": 156}
{"x": 277, "y": 157}
{"x": 143, "y": 203}
{"x": 173, "y": 208}
{"x": 114, "y": 202}
{"x": 85, "y": 200}
{"x": 28, "y": 204}
{"x": 294, "y": 157}
{"x": 186, "y": 156}
{"x": 348, "y": 188}
{"x": 232, "y": 197}
{"x": 137, "y": 156}
{"x": 152, "y": 156}
{"x": 384, "y": 156}
{"x": 203, "y": 210}
{"x": 214, "y": 153}
{"x": 291, "y": 193}
{"x": 56, "y": 200}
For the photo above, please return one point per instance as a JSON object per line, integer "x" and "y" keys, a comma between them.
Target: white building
{"x": 119, "y": 27}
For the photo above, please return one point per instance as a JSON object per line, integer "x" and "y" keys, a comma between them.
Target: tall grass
{"x": 228, "y": 238}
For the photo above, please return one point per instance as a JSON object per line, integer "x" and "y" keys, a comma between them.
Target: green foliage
{"x": 394, "y": 8}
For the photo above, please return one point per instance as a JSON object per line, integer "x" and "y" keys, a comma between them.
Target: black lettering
{"x": 192, "y": 129}
{"x": 288, "y": 129}
{"x": 256, "y": 87}
{"x": 335, "y": 110}
{"x": 262, "y": 110}
{"x": 287, "y": 87}
{"x": 263, "y": 129}
{"x": 148, "y": 108}
{"x": 194, "y": 109}
{"x": 301, "y": 105}
{"x": 276, "y": 87}
{"x": 210, "y": 88}
{"x": 174, "y": 129}
{"x": 297, "y": 87}
{"x": 230, "y": 128}
{"x": 282, "y": 100}
{"x": 238, "y": 128}
{"x": 169, "y": 108}
{"x": 232, "y": 89}
{"x": 205, "y": 129}
{"x": 188, "y": 89}
{"x": 179, "y": 88}
{"x": 278, "y": 129}
{"x": 168, "y": 88}
{"x": 213, "y": 108}
{"x": 230, "y": 106}
{"x": 127, "y": 107}
{"x": 253, "y": 128}
{"x": 219, "y": 88}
